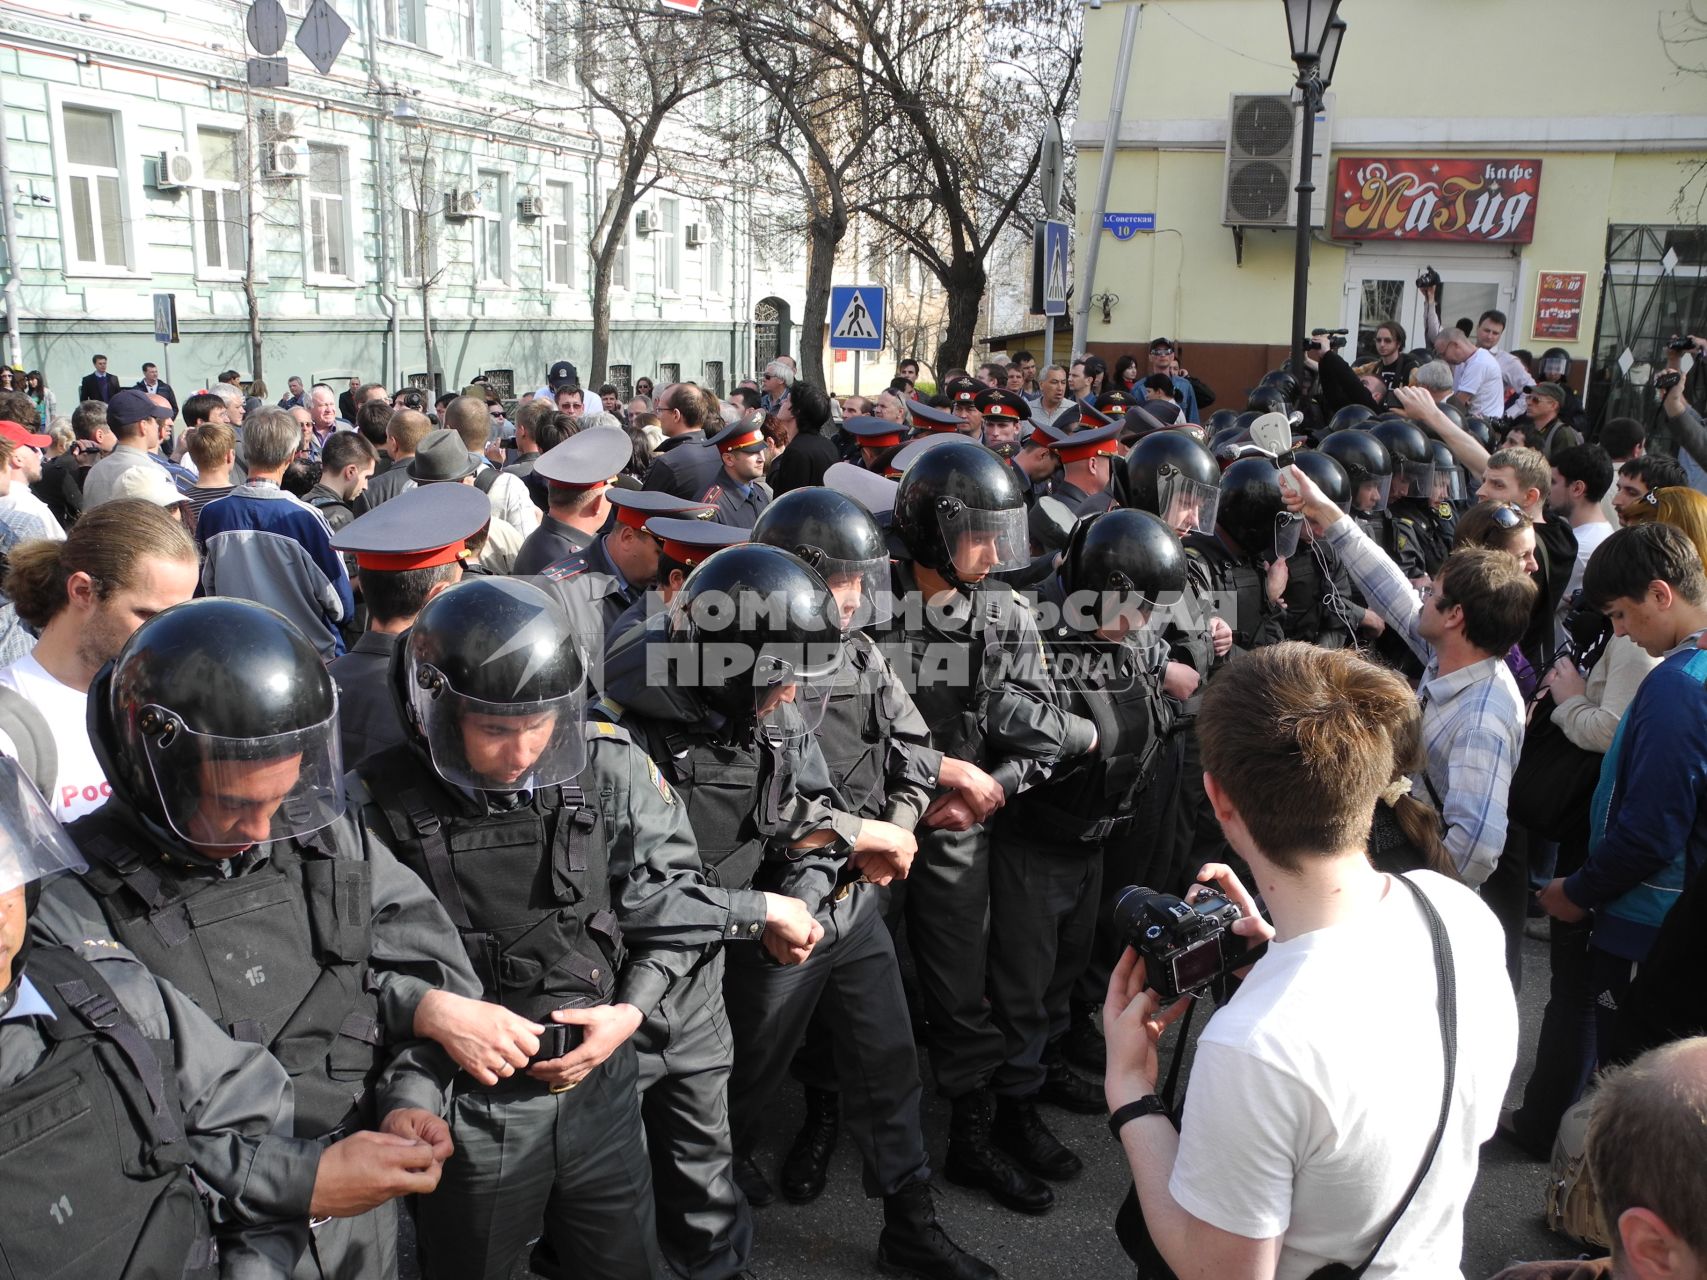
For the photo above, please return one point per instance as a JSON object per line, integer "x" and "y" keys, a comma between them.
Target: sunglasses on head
{"x": 1508, "y": 515}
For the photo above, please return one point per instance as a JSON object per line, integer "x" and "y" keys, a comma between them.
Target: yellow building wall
{"x": 1183, "y": 280}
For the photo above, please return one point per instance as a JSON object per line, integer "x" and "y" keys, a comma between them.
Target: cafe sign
{"x": 1446, "y": 199}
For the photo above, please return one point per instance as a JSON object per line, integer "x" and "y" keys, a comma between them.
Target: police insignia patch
{"x": 658, "y": 781}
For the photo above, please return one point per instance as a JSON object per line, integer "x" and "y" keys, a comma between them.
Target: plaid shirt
{"x": 1472, "y": 720}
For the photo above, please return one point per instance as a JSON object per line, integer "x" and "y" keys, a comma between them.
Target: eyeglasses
{"x": 1508, "y": 515}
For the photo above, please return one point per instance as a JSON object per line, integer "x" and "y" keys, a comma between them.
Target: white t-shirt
{"x": 81, "y": 784}
{"x": 1480, "y": 377}
{"x": 1315, "y": 1090}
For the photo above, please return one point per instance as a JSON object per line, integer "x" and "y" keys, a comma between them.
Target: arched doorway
{"x": 770, "y": 331}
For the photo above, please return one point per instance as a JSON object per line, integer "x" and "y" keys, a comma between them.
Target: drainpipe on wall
{"x": 14, "y": 345}
{"x": 382, "y": 169}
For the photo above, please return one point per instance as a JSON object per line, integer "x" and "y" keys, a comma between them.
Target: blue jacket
{"x": 264, "y": 545}
{"x": 1648, "y": 835}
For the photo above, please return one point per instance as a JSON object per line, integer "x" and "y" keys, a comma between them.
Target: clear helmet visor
{"x": 1371, "y": 494}
{"x": 1419, "y": 476}
{"x": 861, "y": 589}
{"x": 230, "y": 793}
{"x": 499, "y": 746}
{"x": 1186, "y": 505}
{"x": 1288, "y": 528}
{"x": 983, "y": 542}
{"x": 1449, "y": 484}
{"x": 793, "y": 686}
{"x": 32, "y": 845}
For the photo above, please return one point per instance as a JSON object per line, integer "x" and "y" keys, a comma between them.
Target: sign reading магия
{"x": 1445, "y": 198}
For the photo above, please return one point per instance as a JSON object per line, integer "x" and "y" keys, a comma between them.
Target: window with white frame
{"x": 220, "y": 212}
{"x": 554, "y": 43}
{"x": 715, "y": 282}
{"x": 667, "y": 244}
{"x": 557, "y": 235}
{"x": 481, "y": 30}
{"x": 405, "y": 20}
{"x": 419, "y": 254}
{"x": 417, "y": 232}
{"x": 328, "y": 225}
{"x": 619, "y": 276}
{"x": 96, "y": 185}
{"x": 489, "y": 225}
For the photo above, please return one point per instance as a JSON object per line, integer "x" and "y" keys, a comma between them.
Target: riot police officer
{"x": 968, "y": 649}
{"x": 226, "y": 861}
{"x": 111, "y": 1192}
{"x": 558, "y": 853}
{"x": 1321, "y": 606}
{"x": 711, "y": 689}
{"x": 1418, "y": 545}
{"x": 1243, "y": 562}
{"x": 1049, "y": 842}
{"x": 1369, "y": 468}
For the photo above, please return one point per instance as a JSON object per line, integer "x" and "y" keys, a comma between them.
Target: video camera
{"x": 1335, "y": 339}
{"x": 1428, "y": 278}
{"x": 1188, "y": 947}
{"x": 1680, "y": 342}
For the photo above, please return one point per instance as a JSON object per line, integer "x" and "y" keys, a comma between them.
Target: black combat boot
{"x": 1066, "y": 1088}
{"x": 753, "y": 1183}
{"x": 974, "y": 1161}
{"x": 808, "y": 1160}
{"x": 1020, "y": 1132}
{"x": 1083, "y": 1042}
{"x": 913, "y": 1242}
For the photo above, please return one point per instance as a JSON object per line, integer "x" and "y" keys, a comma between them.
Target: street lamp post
{"x": 1316, "y": 34}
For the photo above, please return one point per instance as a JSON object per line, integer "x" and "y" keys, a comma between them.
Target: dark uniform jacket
{"x": 1420, "y": 543}
{"x": 546, "y": 545}
{"x": 593, "y": 591}
{"x": 978, "y": 675}
{"x": 876, "y": 745}
{"x": 133, "y": 1086}
{"x": 368, "y": 718}
{"x": 683, "y": 465}
{"x": 735, "y": 508}
{"x": 1237, "y": 591}
{"x": 1321, "y": 606}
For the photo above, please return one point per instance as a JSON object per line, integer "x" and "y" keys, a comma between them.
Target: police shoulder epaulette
{"x": 712, "y": 494}
{"x": 605, "y": 729}
{"x": 607, "y": 708}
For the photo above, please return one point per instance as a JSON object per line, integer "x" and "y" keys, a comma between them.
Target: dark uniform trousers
{"x": 707, "y": 1229}
{"x": 854, "y": 973}
{"x": 523, "y": 1155}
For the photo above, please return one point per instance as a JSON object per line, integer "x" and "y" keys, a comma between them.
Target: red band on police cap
{"x": 398, "y": 561}
{"x": 745, "y": 440}
{"x": 685, "y": 552}
{"x": 886, "y": 441}
{"x": 633, "y": 517}
{"x": 1001, "y": 409}
{"x": 1070, "y": 452}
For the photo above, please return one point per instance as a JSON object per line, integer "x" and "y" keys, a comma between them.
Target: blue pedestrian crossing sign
{"x": 1049, "y": 267}
{"x": 856, "y": 317}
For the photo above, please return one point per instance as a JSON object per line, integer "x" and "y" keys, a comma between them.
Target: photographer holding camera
{"x": 1338, "y": 1100}
{"x": 1683, "y": 435}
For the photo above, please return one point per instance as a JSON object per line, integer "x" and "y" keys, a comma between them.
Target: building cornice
{"x": 1480, "y": 133}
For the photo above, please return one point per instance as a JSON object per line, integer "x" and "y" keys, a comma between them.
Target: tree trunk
{"x": 253, "y": 301}
{"x": 602, "y": 265}
{"x": 964, "y": 283}
{"x": 427, "y": 343}
{"x": 823, "y": 235}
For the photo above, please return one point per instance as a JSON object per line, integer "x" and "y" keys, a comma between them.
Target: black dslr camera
{"x": 1187, "y": 946}
{"x": 1428, "y": 278}
{"x": 1680, "y": 342}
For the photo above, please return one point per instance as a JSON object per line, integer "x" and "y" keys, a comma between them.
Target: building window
{"x": 557, "y": 235}
{"x": 419, "y": 253}
{"x": 669, "y": 374}
{"x": 480, "y": 30}
{"x": 619, "y": 264}
{"x": 96, "y": 188}
{"x": 405, "y": 20}
{"x": 667, "y": 244}
{"x": 554, "y": 43}
{"x": 714, "y": 277}
{"x": 501, "y": 381}
{"x": 622, "y": 378}
{"x": 713, "y": 379}
{"x": 328, "y": 231}
{"x": 488, "y": 226}
{"x": 224, "y": 224}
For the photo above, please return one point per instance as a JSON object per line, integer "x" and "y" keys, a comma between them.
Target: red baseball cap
{"x": 15, "y": 432}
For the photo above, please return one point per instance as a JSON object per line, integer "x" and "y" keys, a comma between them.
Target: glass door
{"x": 1382, "y": 285}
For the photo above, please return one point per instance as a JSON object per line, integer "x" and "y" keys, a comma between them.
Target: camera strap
{"x": 1447, "y": 985}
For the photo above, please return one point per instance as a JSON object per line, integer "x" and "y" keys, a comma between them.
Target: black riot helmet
{"x": 1221, "y": 419}
{"x": 1171, "y": 475}
{"x": 1449, "y": 482}
{"x": 1479, "y": 431}
{"x": 1329, "y": 475}
{"x": 1451, "y": 411}
{"x": 1120, "y": 565}
{"x": 218, "y": 720}
{"x": 1349, "y": 416}
{"x": 837, "y": 537}
{"x": 1282, "y": 381}
{"x": 1554, "y": 366}
{"x": 761, "y": 638}
{"x": 1408, "y": 447}
{"x": 495, "y": 686}
{"x": 1366, "y": 462}
{"x": 1267, "y": 398}
{"x": 1244, "y": 419}
{"x": 1254, "y": 514}
{"x": 959, "y": 511}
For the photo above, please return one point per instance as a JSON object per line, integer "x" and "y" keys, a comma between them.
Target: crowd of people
{"x": 491, "y": 806}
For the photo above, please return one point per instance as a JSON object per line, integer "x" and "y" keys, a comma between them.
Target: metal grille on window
{"x": 765, "y": 348}
{"x": 622, "y": 378}
{"x": 668, "y": 374}
{"x": 503, "y": 381}
{"x": 713, "y": 377}
{"x": 1654, "y": 286}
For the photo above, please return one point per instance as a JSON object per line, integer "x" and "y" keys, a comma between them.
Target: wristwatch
{"x": 1150, "y": 1104}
